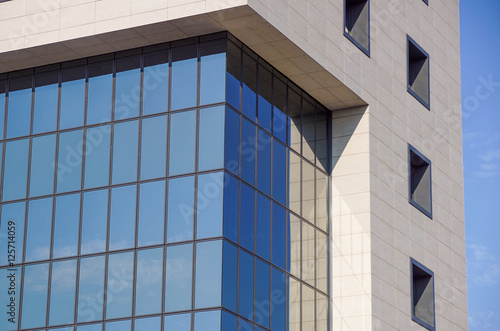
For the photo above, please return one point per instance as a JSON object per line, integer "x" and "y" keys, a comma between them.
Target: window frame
{"x": 366, "y": 51}
{"x": 409, "y": 40}
{"x": 415, "y": 263}
{"x": 411, "y": 150}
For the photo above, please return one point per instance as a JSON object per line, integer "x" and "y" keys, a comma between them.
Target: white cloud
{"x": 492, "y": 154}
{"x": 484, "y": 265}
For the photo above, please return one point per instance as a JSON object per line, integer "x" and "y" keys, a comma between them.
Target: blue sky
{"x": 480, "y": 49}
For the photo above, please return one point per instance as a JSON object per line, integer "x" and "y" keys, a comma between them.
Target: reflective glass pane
{"x": 43, "y": 156}
{"x": 308, "y": 253}
{"x": 308, "y": 130}
{"x": 19, "y": 107}
{"x": 12, "y": 229}
{"x": 38, "y": 230}
{"x": 91, "y": 289}
{"x": 231, "y": 207}
{"x": 207, "y": 321}
{"x": 279, "y": 172}
{"x": 211, "y": 140}
{"x": 179, "y": 278}
{"x": 264, "y": 99}
{"x": 125, "y": 146}
{"x": 148, "y": 324}
{"x": 97, "y": 156}
{"x": 321, "y": 312}
{"x": 294, "y": 246}
{"x": 294, "y": 190}
{"x": 244, "y": 326}
{"x": 279, "y": 109}
{"x": 128, "y": 88}
{"x": 155, "y": 89}
{"x": 94, "y": 221}
{"x": 249, "y": 86}
{"x": 62, "y": 329}
{"x": 208, "y": 274}
{"x": 262, "y": 293}
{"x": 230, "y": 276}
{"x": 118, "y": 326}
{"x": 154, "y": 147}
{"x": 66, "y": 224}
{"x": 264, "y": 162}
{"x": 182, "y": 142}
{"x": 247, "y": 218}
{"x": 263, "y": 227}
{"x": 62, "y": 292}
{"x": 321, "y": 150}
{"x": 295, "y": 119}
{"x": 209, "y": 205}
{"x": 279, "y": 125}
{"x": 321, "y": 201}
{"x": 228, "y": 322}
{"x": 232, "y": 141}
{"x": 184, "y": 77}
{"x": 36, "y": 280}
{"x": 248, "y": 151}
{"x": 16, "y": 169}
{"x": 151, "y": 213}
{"x": 279, "y": 236}
{"x": 246, "y": 285}
{"x": 72, "y": 98}
{"x": 10, "y": 278}
{"x": 278, "y": 300}
{"x": 180, "y": 209}
{"x": 233, "y": 75}
{"x": 308, "y": 203}
{"x": 69, "y": 164}
{"x": 180, "y": 322}
{"x": 321, "y": 261}
{"x": 46, "y": 100}
{"x": 120, "y": 281}
{"x": 212, "y": 73}
{"x": 90, "y": 327}
{"x": 308, "y": 313}
{"x": 148, "y": 294}
{"x": 2, "y": 107}
{"x": 294, "y": 306}
{"x": 122, "y": 217}
{"x": 100, "y": 92}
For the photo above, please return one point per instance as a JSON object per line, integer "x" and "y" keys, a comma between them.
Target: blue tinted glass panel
{"x": 249, "y": 86}
{"x": 69, "y": 165}
{"x": 19, "y": 111}
{"x": 128, "y": 88}
{"x": 263, "y": 227}
{"x": 2, "y": 108}
{"x": 91, "y": 327}
{"x": 264, "y": 162}
{"x": 244, "y": 326}
{"x": 125, "y": 145}
{"x": 179, "y": 278}
{"x": 232, "y": 141}
{"x": 62, "y": 292}
{"x": 38, "y": 230}
{"x": 182, "y": 143}
{"x": 262, "y": 293}
{"x": 246, "y": 285}
{"x": 16, "y": 169}
{"x": 211, "y": 141}
{"x": 180, "y": 209}
{"x": 233, "y": 75}
{"x": 208, "y": 274}
{"x": 46, "y": 100}
{"x": 120, "y": 280}
{"x": 228, "y": 322}
{"x": 35, "y": 291}
{"x": 279, "y": 125}
{"x": 231, "y": 207}
{"x": 180, "y": 322}
{"x": 209, "y": 205}
{"x": 151, "y": 213}
{"x": 279, "y": 236}
{"x": 72, "y": 98}
{"x": 207, "y": 321}
{"x": 230, "y": 276}
{"x": 91, "y": 289}
{"x": 264, "y": 99}
{"x": 118, "y": 326}
{"x": 66, "y": 223}
{"x": 278, "y": 300}
{"x": 184, "y": 77}
{"x": 154, "y": 147}
{"x": 279, "y": 172}
{"x": 43, "y": 156}
{"x": 122, "y": 217}
{"x": 94, "y": 221}
{"x": 155, "y": 90}
{"x": 148, "y": 294}
{"x": 212, "y": 73}
{"x": 247, "y": 218}
{"x": 12, "y": 311}
{"x": 12, "y": 223}
{"x": 62, "y": 329}
{"x": 248, "y": 151}
{"x": 148, "y": 324}
{"x": 100, "y": 92}
{"x": 97, "y": 156}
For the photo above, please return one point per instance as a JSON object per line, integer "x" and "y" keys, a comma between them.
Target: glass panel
{"x": 46, "y": 100}
{"x": 207, "y": 321}
{"x": 231, "y": 207}
{"x": 295, "y": 119}
{"x": 2, "y": 108}
{"x": 148, "y": 324}
{"x": 19, "y": 107}
{"x": 155, "y": 89}
{"x": 72, "y": 98}
{"x": 209, "y": 205}
{"x": 208, "y": 274}
{"x": 91, "y": 289}
{"x": 279, "y": 236}
{"x": 308, "y": 204}
{"x": 279, "y": 125}
{"x": 264, "y": 162}
{"x": 66, "y": 224}
{"x": 232, "y": 141}
{"x": 9, "y": 278}
{"x": 233, "y": 75}
{"x": 91, "y": 327}
{"x": 228, "y": 322}
{"x": 321, "y": 262}
{"x": 180, "y": 209}
{"x": 180, "y": 322}
{"x": 148, "y": 291}
{"x": 100, "y": 92}
{"x": 118, "y": 326}
{"x": 62, "y": 293}
{"x": 16, "y": 169}
{"x": 308, "y": 131}
{"x": 294, "y": 190}
{"x": 182, "y": 143}
{"x": 97, "y": 156}
{"x": 12, "y": 225}
{"x": 69, "y": 165}
{"x": 321, "y": 201}
{"x": 264, "y": 99}
{"x": 247, "y": 218}
{"x": 262, "y": 293}
{"x": 211, "y": 141}
{"x": 244, "y": 326}
{"x": 321, "y": 312}
{"x": 294, "y": 246}
{"x": 308, "y": 313}
{"x": 278, "y": 300}
{"x": 184, "y": 77}
{"x": 178, "y": 288}
{"x": 122, "y": 217}
{"x": 94, "y": 221}
{"x": 279, "y": 109}
{"x": 62, "y": 329}
{"x": 151, "y": 213}
{"x": 38, "y": 230}
{"x": 263, "y": 227}
{"x": 154, "y": 147}
{"x": 229, "y": 276}
{"x": 120, "y": 281}
{"x": 128, "y": 88}
{"x": 248, "y": 151}
{"x": 36, "y": 280}
{"x": 212, "y": 73}
{"x": 246, "y": 285}
{"x": 249, "y": 86}
{"x": 125, "y": 146}
{"x": 294, "y": 305}
{"x": 279, "y": 172}
{"x": 43, "y": 156}
{"x": 321, "y": 150}
{"x": 308, "y": 251}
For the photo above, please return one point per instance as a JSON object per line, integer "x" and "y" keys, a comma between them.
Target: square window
{"x": 420, "y": 182}
{"x": 418, "y": 72}
{"x": 422, "y": 295}
{"x": 357, "y": 23}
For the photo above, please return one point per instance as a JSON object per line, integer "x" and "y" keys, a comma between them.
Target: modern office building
{"x": 206, "y": 165}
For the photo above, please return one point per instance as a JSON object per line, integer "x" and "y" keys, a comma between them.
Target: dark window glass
{"x": 128, "y": 88}
{"x": 66, "y": 224}
{"x": 232, "y": 142}
{"x": 231, "y": 207}
{"x": 151, "y": 213}
{"x": 228, "y": 322}
{"x": 155, "y": 89}
{"x": 38, "y": 229}
{"x": 212, "y": 73}
{"x": 208, "y": 281}
{"x": 148, "y": 324}
{"x": 233, "y": 75}
{"x": 180, "y": 209}
{"x": 19, "y": 107}
{"x": 148, "y": 291}
{"x": 279, "y": 236}
{"x": 230, "y": 276}
{"x": 211, "y": 140}
{"x": 279, "y": 172}
{"x": 122, "y": 217}
{"x": 14, "y": 212}
{"x": 244, "y": 326}
{"x": 262, "y": 293}
{"x": 154, "y": 147}
{"x": 182, "y": 143}
{"x": 179, "y": 322}
{"x": 184, "y": 77}
{"x": 209, "y": 206}
{"x": 43, "y": 156}
{"x": 263, "y": 227}
{"x": 69, "y": 164}
{"x": 35, "y": 291}
{"x": 46, "y": 100}
{"x": 246, "y": 301}
{"x": 120, "y": 280}
{"x": 420, "y": 182}
{"x": 278, "y": 300}
{"x": 100, "y": 92}
{"x": 125, "y": 146}
{"x": 207, "y": 321}
{"x": 94, "y": 221}
{"x": 247, "y": 218}
{"x": 357, "y": 23}
{"x": 422, "y": 295}
{"x": 91, "y": 289}
{"x": 16, "y": 169}
{"x": 279, "y": 109}
{"x": 179, "y": 276}
{"x": 72, "y": 98}
{"x": 62, "y": 292}
{"x": 264, "y": 113}
{"x": 97, "y": 156}
{"x": 418, "y": 73}
{"x": 249, "y": 87}
{"x": 248, "y": 151}
{"x": 264, "y": 162}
